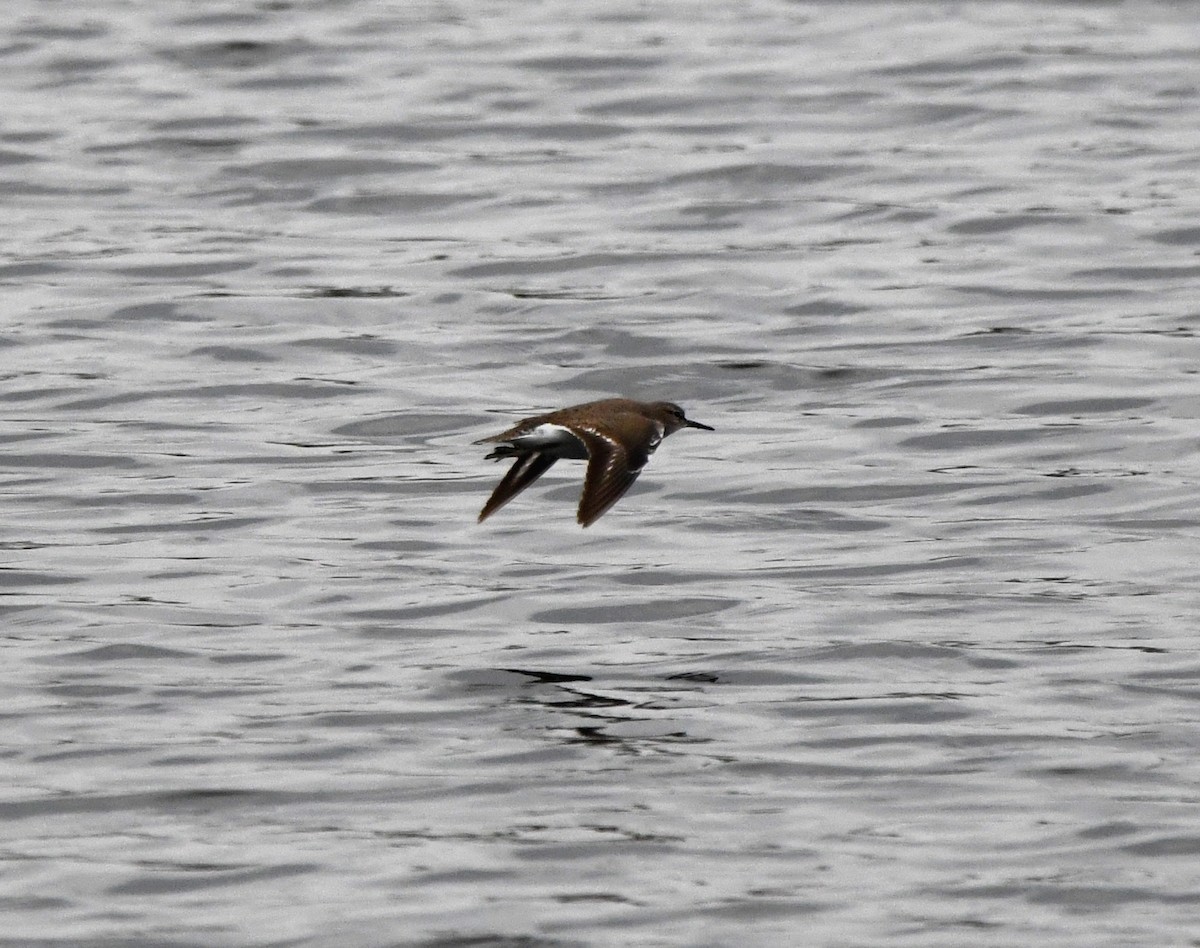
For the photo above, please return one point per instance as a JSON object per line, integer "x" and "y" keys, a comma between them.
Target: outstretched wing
{"x": 525, "y": 470}
{"x": 616, "y": 457}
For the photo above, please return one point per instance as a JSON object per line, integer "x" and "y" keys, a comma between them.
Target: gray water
{"x": 904, "y": 653}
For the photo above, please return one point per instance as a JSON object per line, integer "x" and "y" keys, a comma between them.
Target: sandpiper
{"x": 616, "y": 436}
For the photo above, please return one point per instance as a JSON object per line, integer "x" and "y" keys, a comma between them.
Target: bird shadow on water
{"x": 625, "y": 716}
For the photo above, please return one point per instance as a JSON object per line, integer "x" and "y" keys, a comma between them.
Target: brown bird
{"x": 616, "y": 436}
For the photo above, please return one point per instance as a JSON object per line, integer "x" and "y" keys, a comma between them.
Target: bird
{"x": 616, "y": 436}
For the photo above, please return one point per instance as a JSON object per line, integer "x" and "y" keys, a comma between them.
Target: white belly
{"x": 552, "y": 437}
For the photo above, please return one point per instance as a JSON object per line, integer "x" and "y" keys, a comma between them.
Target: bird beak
{"x": 696, "y": 424}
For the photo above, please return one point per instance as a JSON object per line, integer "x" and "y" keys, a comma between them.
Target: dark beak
{"x": 696, "y": 424}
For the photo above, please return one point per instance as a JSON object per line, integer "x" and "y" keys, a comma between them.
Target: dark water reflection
{"x": 903, "y": 653}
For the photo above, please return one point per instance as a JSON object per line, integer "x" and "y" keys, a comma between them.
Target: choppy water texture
{"x": 905, "y": 653}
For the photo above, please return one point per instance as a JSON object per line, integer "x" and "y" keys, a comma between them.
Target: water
{"x": 904, "y": 653}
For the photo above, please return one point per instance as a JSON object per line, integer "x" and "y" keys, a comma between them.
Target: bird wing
{"x": 527, "y": 469}
{"x": 614, "y": 462}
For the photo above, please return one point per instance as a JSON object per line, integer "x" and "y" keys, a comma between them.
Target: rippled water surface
{"x": 904, "y": 653}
